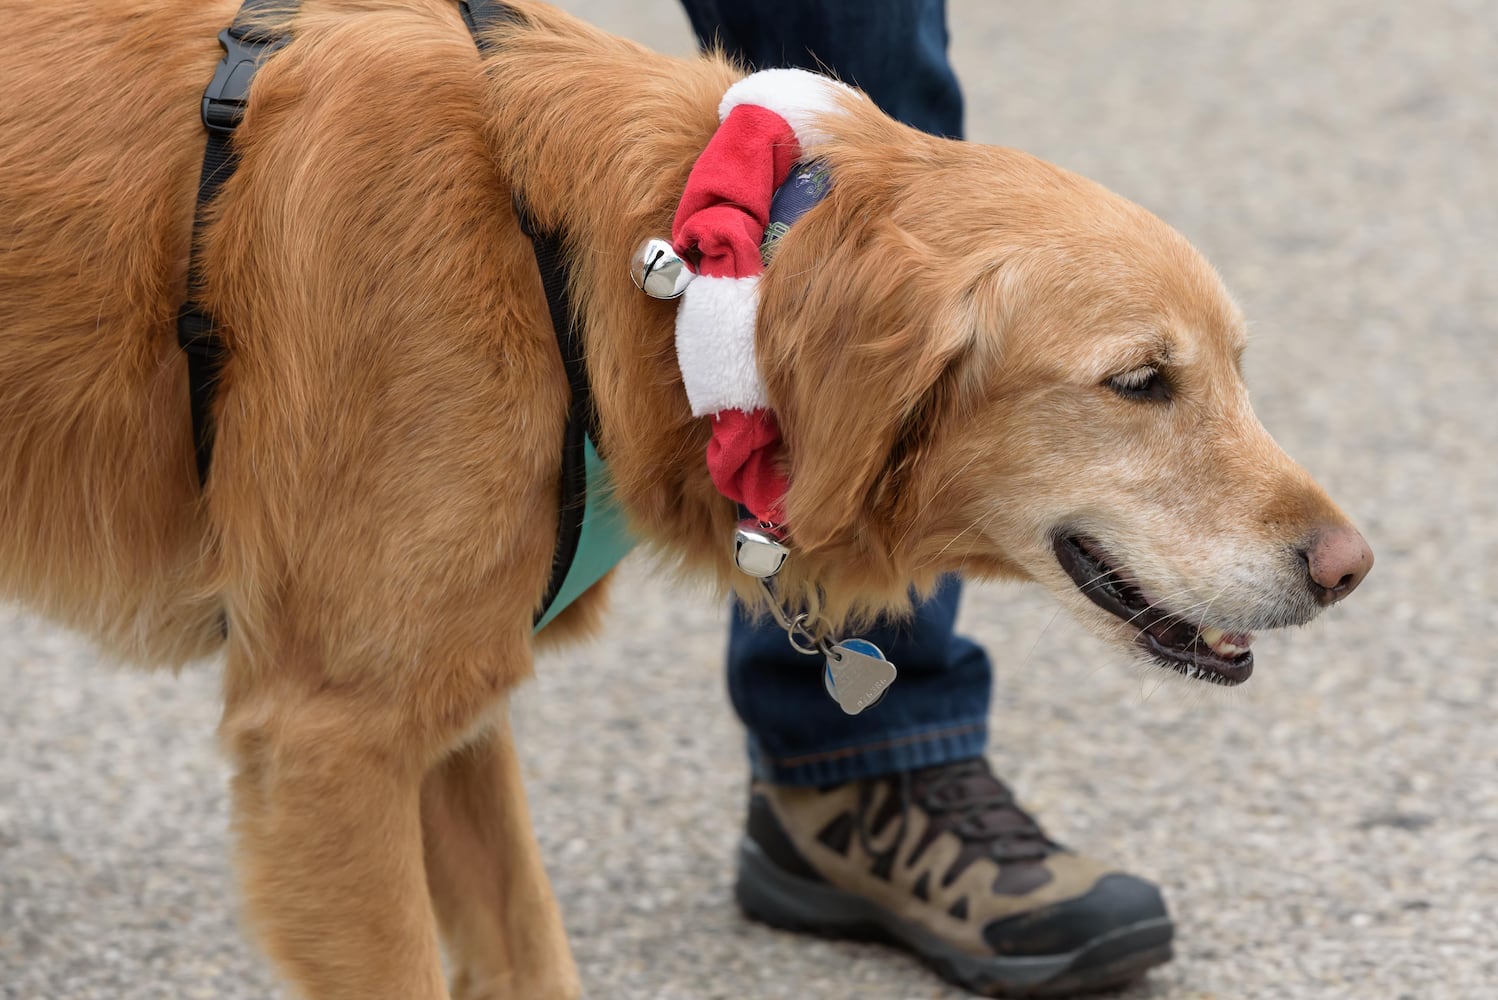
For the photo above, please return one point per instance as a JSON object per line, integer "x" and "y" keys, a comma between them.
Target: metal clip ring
{"x": 799, "y": 633}
{"x": 801, "y": 638}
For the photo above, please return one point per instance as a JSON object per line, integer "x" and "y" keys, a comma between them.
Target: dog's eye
{"x": 1141, "y": 383}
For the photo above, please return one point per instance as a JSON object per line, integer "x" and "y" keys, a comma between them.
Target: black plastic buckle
{"x": 226, "y": 96}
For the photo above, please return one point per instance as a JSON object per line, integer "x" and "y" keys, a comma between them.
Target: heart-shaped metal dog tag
{"x": 857, "y": 675}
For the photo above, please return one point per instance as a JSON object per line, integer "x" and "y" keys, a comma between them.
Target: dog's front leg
{"x": 492, "y": 897}
{"x": 326, "y": 799}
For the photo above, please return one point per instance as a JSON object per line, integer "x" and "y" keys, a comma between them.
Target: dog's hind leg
{"x": 492, "y": 897}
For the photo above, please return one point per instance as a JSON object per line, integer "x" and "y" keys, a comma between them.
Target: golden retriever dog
{"x": 980, "y": 363}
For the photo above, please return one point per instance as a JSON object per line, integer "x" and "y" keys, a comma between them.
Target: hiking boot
{"x": 943, "y": 862}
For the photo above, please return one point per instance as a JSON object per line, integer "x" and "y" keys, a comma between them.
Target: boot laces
{"x": 983, "y": 810}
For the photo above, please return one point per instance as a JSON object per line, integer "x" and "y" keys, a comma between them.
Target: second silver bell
{"x": 658, "y": 271}
{"x": 757, "y": 551}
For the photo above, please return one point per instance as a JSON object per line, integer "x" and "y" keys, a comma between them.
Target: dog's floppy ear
{"x": 862, "y": 345}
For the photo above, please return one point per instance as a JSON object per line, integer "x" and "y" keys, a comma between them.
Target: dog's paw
{"x": 555, "y": 985}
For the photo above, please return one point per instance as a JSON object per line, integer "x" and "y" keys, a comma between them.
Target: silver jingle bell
{"x": 658, "y": 271}
{"x": 756, "y": 551}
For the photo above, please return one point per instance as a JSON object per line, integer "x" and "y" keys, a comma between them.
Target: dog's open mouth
{"x": 1197, "y": 651}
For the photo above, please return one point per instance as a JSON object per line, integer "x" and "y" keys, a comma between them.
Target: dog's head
{"x": 983, "y": 363}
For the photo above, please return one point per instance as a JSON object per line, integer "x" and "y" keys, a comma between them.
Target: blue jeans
{"x": 895, "y": 50}
{"x": 937, "y": 711}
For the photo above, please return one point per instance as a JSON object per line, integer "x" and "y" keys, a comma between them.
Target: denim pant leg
{"x": 896, "y": 51}
{"x": 936, "y": 711}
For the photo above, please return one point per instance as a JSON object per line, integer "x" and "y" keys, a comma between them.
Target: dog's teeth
{"x": 1218, "y": 640}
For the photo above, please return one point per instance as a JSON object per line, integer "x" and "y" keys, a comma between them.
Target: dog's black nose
{"x": 1337, "y": 558}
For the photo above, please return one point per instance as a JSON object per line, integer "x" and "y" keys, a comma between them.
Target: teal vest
{"x": 605, "y": 537}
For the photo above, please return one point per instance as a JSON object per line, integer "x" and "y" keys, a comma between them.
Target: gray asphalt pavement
{"x": 1329, "y": 831}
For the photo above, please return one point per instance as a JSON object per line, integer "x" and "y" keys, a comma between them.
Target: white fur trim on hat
{"x": 715, "y": 345}
{"x": 800, "y": 97}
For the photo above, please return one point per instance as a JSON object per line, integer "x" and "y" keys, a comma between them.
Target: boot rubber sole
{"x": 769, "y": 894}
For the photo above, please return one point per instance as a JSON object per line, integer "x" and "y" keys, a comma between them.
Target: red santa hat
{"x": 769, "y": 121}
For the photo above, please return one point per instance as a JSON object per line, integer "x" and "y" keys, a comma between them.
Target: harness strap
{"x": 581, "y": 418}
{"x": 246, "y": 45}
{"x": 481, "y": 15}
{"x": 580, "y": 460}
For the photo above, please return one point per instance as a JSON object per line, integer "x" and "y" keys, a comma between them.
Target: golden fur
{"x": 379, "y": 522}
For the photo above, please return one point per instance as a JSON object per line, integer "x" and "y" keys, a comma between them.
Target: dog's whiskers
{"x": 1158, "y": 685}
{"x": 1153, "y": 605}
{"x": 1181, "y": 613}
{"x": 1041, "y": 635}
{"x": 932, "y": 499}
{"x": 983, "y": 519}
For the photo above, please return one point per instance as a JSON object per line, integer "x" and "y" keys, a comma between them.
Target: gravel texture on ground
{"x": 1329, "y": 831}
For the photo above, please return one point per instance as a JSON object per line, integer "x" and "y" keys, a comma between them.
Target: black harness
{"x": 247, "y": 44}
